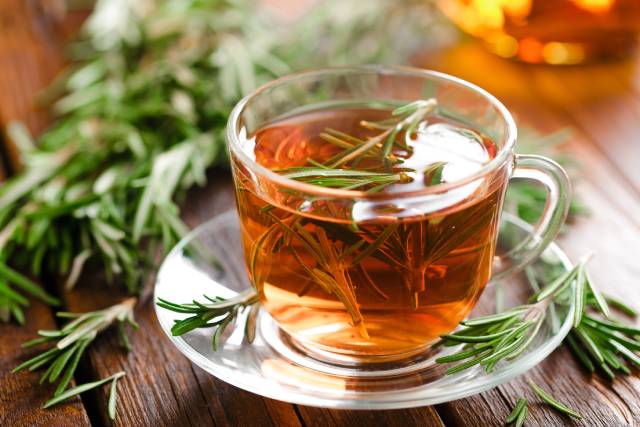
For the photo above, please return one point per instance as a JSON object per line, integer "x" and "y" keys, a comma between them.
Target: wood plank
{"x": 32, "y": 34}
{"x": 610, "y": 120}
{"x": 425, "y": 417}
{"x": 21, "y": 397}
{"x": 560, "y": 375}
{"x": 26, "y": 65}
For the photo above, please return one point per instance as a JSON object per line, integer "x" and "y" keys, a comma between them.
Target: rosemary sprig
{"x": 554, "y": 403}
{"x": 217, "y": 313}
{"x": 340, "y": 172}
{"x": 72, "y": 340}
{"x": 519, "y": 413}
{"x": 111, "y": 405}
{"x": 346, "y": 179}
{"x": 597, "y": 341}
{"x": 406, "y": 120}
{"x": 12, "y": 302}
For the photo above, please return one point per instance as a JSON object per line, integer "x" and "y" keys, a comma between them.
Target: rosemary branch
{"x": 72, "y": 340}
{"x": 597, "y": 341}
{"x": 217, "y": 313}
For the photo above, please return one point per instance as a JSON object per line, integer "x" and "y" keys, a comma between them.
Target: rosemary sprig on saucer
{"x": 217, "y": 313}
{"x": 598, "y": 341}
{"x": 72, "y": 340}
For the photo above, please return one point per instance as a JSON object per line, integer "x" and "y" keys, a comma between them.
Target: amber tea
{"x": 387, "y": 283}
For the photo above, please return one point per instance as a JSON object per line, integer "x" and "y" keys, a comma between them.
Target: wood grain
{"x": 21, "y": 397}
{"x": 29, "y": 57}
{"x": 32, "y": 36}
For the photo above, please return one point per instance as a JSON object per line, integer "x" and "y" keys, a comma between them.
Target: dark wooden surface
{"x": 601, "y": 103}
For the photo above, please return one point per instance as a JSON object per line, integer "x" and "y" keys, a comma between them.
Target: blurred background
{"x": 468, "y": 38}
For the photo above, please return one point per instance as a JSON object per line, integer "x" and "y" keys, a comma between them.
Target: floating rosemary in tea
{"x": 394, "y": 278}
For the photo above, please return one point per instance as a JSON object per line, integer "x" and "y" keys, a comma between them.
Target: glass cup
{"x": 354, "y": 277}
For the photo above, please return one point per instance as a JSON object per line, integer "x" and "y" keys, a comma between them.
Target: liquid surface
{"x": 381, "y": 288}
{"x": 290, "y": 143}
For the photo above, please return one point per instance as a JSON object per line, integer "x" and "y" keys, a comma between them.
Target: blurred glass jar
{"x": 550, "y": 31}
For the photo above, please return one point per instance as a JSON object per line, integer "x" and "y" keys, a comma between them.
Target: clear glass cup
{"x": 347, "y": 325}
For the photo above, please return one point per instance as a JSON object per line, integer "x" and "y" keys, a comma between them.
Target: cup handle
{"x": 558, "y": 188}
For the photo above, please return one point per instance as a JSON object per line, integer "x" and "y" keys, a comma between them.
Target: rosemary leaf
{"x": 521, "y": 404}
{"x": 553, "y": 402}
{"x": 619, "y": 305}
{"x": 522, "y": 417}
{"x": 82, "y": 388}
{"x": 584, "y": 359}
{"x": 111, "y": 406}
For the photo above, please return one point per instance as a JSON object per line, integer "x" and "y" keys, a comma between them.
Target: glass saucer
{"x": 271, "y": 366}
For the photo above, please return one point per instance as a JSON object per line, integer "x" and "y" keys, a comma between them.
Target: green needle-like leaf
{"x": 81, "y": 389}
{"x": 112, "y": 397}
{"x": 522, "y": 417}
{"x": 521, "y": 405}
{"x": 553, "y": 402}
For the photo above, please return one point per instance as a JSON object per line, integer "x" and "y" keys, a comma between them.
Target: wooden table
{"x": 601, "y": 103}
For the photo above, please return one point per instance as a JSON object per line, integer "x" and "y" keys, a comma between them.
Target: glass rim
{"x": 503, "y": 154}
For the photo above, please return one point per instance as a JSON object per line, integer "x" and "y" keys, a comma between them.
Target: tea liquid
{"x": 382, "y": 285}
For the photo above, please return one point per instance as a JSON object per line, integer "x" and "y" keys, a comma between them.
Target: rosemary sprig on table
{"x": 12, "y": 302}
{"x": 519, "y": 414}
{"x": 141, "y": 116}
{"x": 72, "y": 340}
{"x": 554, "y": 403}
